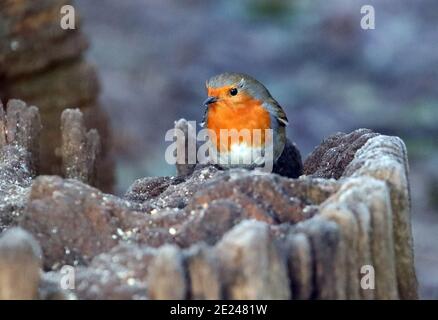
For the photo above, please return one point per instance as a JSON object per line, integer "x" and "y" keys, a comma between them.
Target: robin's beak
{"x": 210, "y": 100}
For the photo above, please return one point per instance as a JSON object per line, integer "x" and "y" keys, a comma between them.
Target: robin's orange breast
{"x": 246, "y": 113}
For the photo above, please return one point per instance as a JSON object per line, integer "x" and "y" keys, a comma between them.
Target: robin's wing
{"x": 277, "y": 111}
{"x": 281, "y": 117}
{"x": 204, "y": 118}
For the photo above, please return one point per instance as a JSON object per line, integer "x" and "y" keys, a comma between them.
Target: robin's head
{"x": 234, "y": 89}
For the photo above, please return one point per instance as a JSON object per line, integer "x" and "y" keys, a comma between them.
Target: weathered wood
{"x": 251, "y": 265}
{"x": 329, "y": 265}
{"x": 203, "y": 272}
{"x": 167, "y": 277}
{"x": 20, "y": 265}
{"x": 348, "y": 228}
{"x": 312, "y": 238}
{"x": 80, "y": 149}
{"x": 300, "y": 264}
{"x": 44, "y": 65}
{"x": 385, "y": 158}
{"x": 3, "y": 124}
{"x": 23, "y": 126}
{"x": 183, "y": 165}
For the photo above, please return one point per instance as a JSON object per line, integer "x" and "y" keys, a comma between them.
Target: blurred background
{"x": 153, "y": 58}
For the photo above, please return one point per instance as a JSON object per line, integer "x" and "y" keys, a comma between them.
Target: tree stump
{"x": 341, "y": 231}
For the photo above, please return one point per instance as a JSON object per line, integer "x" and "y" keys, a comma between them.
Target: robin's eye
{"x": 233, "y": 91}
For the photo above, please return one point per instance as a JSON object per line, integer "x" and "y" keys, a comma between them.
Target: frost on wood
{"x": 20, "y": 126}
{"x": 80, "y": 149}
{"x": 19, "y": 158}
{"x": 215, "y": 234}
{"x": 385, "y": 158}
{"x": 44, "y": 65}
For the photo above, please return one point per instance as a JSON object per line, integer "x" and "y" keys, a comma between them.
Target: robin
{"x": 237, "y": 101}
